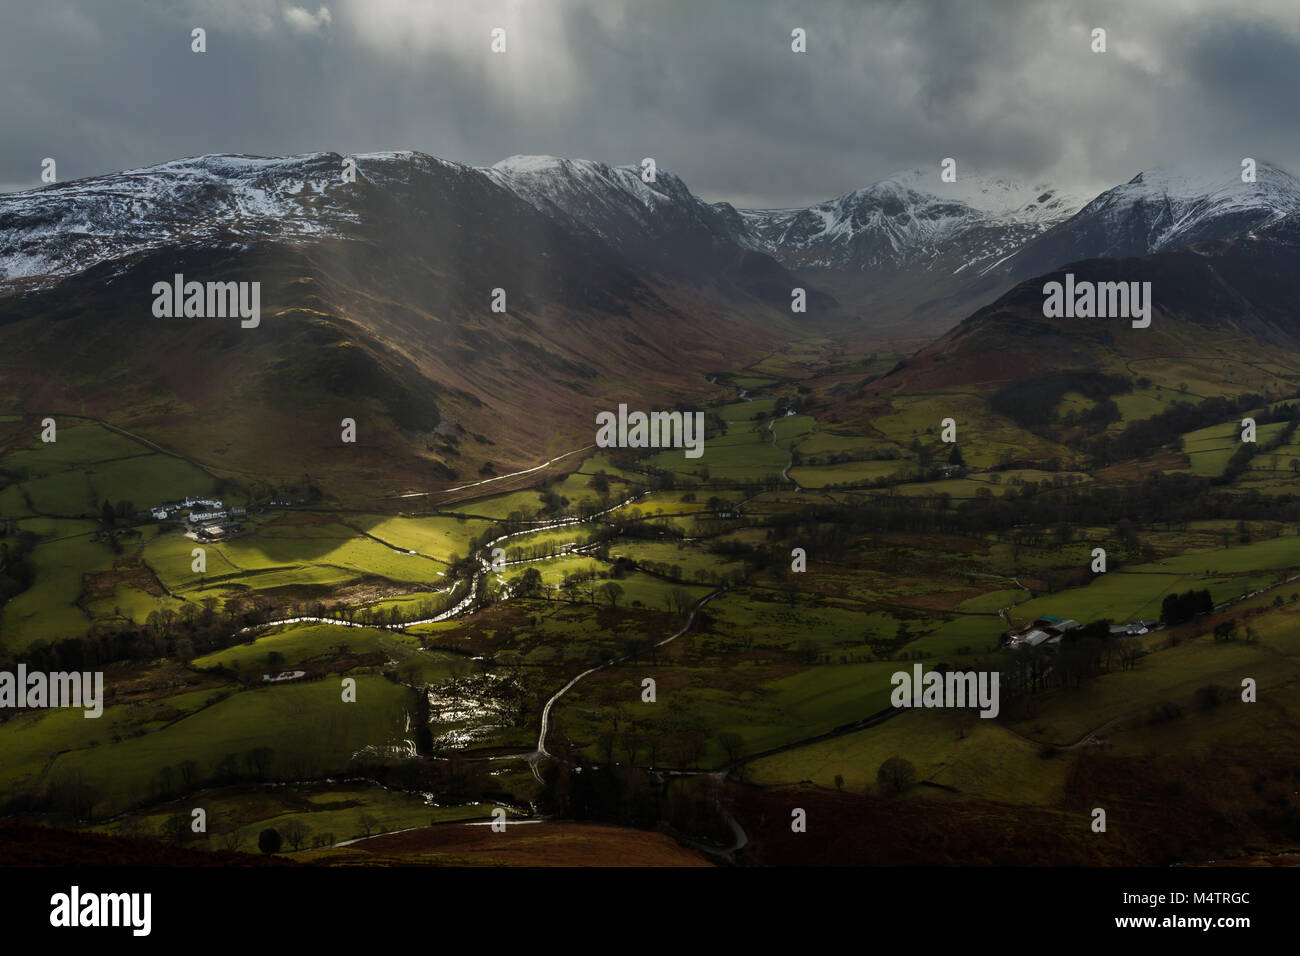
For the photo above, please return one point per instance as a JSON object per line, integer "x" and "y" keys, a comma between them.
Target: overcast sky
{"x": 710, "y": 88}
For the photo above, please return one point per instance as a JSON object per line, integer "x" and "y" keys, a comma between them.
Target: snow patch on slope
{"x": 911, "y": 217}
{"x": 67, "y": 228}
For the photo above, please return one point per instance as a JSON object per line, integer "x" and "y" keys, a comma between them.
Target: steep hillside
{"x": 376, "y": 304}
{"x": 910, "y": 251}
{"x": 659, "y": 227}
{"x": 377, "y": 298}
{"x": 1227, "y": 298}
{"x": 1159, "y": 210}
{"x": 912, "y": 219}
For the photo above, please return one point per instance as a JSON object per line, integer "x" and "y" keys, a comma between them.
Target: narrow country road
{"x": 546, "y": 711}
{"x": 785, "y": 473}
{"x": 487, "y": 481}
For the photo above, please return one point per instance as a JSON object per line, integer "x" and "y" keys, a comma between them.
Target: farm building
{"x": 212, "y": 503}
{"x": 204, "y": 517}
{"x": 1046, "y": 631}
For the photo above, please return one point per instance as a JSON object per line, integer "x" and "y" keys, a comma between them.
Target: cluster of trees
{"x": 925, "y": 470}
{"x": 1177, "y": 608}
{"x": 1140, "y": 438}
{"x": 1031, "y": 402}
{"x": 110, "y": 514}
{"x": 589, "y": 586}
{"x": 255, "y": 765}
{"x": 579, "y": 586}
{"x": 547, "y": 549}
{"x": 887, "y": 453}
{"x": 193, "y": 631}
{"x": 678, "y": 603}
{"x": 1025, "y": 673}
{"x": 1094, "y": 419}
{"x": 16, "y": 569}
{"x": 78, "y": 796}
{"x": 1231, "y": 630}
{"x": 1239, "y": 463}
{"x": 1171, "y": 500}
{"x": 894, "y": 776}
{"x": 453, "y": 778}
{"x": 613, "y": 780}
{"x": 374, "y": 616}
{"x": 304, "y": 488}
{"x": 202, "y": 628}
{"x": 675, "y": 572}
{"x": 630, "y": 796}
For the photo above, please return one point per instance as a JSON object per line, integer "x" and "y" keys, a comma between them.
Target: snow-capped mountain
{"x": 1231, "y": 299}
{"x": 376, "y": 297}
{"x": 1159, "y": 210}
{"x": 912, "y": 219}
{"x": 614, "y": 203}
{"x": 225, "y": 201}
{"x": 910, "y": 250}
{"x": 659, "y": 227}
{"x": 379, "y": 290}
{"x": 214, "y": 200}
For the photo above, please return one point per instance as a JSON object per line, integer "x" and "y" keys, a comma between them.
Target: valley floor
{"x": 615, "y": 642}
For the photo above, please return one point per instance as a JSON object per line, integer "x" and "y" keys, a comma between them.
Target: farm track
{"x": 785, "y": 472}
{"x": 546, "y": 710}
{"x": 485, "y": 481}
{"x": 1082, "y": 741}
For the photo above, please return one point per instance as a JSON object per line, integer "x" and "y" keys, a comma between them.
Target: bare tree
{"x": 732, "y": 743}
{"x": 612, "y": 592}
{"x": 295, "y": 832}
{"x": 189, "y": 773}
{"x": 895, "y": 775}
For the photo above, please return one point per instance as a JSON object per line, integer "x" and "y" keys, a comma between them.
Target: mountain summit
{"x": 1159, "y": 210}
{"x": 911, "y": 219}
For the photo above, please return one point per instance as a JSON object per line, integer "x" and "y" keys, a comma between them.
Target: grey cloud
{"x": 710, "y": 88}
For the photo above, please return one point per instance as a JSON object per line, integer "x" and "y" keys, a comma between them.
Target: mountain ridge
{"x": 377, "y": 296}
{"x": 971, "y": 239}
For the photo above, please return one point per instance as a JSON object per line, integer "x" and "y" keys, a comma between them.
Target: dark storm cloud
{"x": 710, "y": 88}
{"x": 1247, "y": 74}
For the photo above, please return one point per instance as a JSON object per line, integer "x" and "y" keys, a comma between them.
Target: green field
{"x": 771, "y": 681}
{"x": 306, "y": 725}
{"x": 89, "y": 464}
{"x": 50, "y": 611}
{"x": 329, "y": 814}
